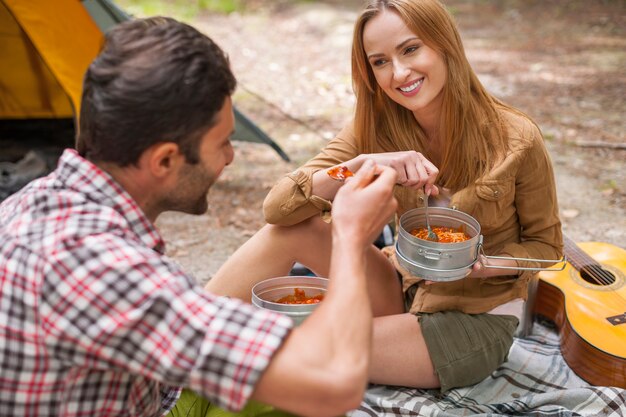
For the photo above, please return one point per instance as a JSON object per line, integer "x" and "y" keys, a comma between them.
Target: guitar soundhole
{"x": 595, "y": 274}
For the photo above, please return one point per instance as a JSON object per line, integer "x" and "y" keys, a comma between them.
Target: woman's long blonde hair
{"x": 472, "y": 133}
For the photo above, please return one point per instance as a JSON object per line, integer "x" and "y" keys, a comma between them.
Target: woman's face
{"x": 409, "y": 72}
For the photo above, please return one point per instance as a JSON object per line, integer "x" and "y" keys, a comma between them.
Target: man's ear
{"x": 163, "y": 159}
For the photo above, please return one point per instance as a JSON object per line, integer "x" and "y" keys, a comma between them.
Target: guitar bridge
{"x": 619, "y": 319}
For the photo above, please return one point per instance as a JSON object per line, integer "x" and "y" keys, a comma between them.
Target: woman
{"x": 421, "y": 110}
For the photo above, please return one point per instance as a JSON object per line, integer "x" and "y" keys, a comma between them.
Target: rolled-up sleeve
{"x": 290, "y": 201}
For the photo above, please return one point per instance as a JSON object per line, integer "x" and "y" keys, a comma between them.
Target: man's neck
{"x": 138, "y": 184}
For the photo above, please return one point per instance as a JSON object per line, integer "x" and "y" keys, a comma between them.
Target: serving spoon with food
{"x": 340, "y": 173}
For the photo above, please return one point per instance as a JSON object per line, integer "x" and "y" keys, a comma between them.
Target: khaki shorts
{"x": 466, "y": 348}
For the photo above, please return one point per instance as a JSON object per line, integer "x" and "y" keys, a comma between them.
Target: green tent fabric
{"x": 246, "y": 130}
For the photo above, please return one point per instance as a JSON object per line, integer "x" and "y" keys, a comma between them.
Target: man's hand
{"x": 364, "y": 204}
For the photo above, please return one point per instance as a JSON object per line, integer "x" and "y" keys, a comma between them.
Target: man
{"x": 95, "y": 321}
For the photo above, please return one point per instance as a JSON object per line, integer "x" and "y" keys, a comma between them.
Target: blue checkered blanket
{"x": 535, "y": 381}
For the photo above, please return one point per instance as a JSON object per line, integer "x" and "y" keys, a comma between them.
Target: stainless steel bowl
{"x": 433, "y": 260}
{"x": 265, "y": 294}
{"x": 436, "y": 261}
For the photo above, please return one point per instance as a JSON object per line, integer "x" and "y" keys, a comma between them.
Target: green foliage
{"x": 453, "y": 10}
{"x": 223, "y": 6}
{"x": 186, "y": 9}
{"x": 610, "y": 185}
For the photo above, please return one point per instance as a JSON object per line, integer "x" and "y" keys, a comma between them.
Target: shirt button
{"x": 496, "y": 193}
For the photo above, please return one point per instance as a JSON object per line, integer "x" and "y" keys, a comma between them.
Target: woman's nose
{"x": 400, "y": 71}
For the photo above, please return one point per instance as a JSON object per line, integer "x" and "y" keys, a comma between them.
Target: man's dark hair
{"x": 155, "y": 80}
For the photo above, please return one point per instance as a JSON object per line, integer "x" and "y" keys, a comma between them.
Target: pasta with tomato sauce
{"x": 445, "y": 234}
{"x": 339, "y": 173}
{"x": 300, "y": 297}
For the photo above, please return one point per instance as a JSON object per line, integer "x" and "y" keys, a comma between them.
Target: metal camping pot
{"x": 436, "y": 261}
{"x": 265, "y": 293}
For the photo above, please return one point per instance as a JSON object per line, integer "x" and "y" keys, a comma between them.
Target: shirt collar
{"x": 85, "y": 177}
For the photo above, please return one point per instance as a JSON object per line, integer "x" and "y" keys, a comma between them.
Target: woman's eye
{"x": 410, "y": 49}
{"x": 378, "y": 62}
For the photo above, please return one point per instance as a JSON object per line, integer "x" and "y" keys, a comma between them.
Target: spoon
{"x": 432, "y": 236}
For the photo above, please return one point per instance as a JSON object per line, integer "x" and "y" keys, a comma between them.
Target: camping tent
{"x": 45, "y": 48}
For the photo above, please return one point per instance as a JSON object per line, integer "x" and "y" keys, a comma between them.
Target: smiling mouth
{"x": 411, "y": 87}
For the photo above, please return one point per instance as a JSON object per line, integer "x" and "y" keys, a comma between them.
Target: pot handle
{"x": 560, "y": 263}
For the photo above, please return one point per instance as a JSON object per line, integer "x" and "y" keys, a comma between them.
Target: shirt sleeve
{"x": 537, "y": 208}
{"x": 291, "y": 200}
{"x": 110, "y": 305}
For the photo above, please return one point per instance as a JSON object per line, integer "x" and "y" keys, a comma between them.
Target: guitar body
{"x": 587, "y": 302}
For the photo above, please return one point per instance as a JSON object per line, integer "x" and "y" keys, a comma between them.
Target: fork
{"x": 432, "y": 236}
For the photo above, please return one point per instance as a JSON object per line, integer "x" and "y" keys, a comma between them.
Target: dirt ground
{"x": 561, "y": 61}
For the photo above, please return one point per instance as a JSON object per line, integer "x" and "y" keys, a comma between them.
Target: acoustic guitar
{"x": 587, "y": 303}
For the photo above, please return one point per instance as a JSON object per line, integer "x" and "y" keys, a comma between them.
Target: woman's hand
{"x": 480, "y": 270}
{"x": 413, "y": 169}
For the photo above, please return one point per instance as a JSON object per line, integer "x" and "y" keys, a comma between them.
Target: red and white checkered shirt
{"x": 96, "y": 321}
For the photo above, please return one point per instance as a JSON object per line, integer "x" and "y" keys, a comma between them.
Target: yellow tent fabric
{"x": 45, "y": 48}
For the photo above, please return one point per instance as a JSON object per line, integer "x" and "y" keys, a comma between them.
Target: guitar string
{"x": 604, "y": 277}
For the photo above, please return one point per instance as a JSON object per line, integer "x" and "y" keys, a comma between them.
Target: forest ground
{"x": 562, "y": 62}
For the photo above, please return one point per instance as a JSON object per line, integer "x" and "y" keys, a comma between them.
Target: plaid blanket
{"x": 535, "y": 381}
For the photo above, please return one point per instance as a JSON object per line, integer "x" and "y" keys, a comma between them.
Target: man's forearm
{"x": 329, "y": 352}
{"x": 350, "y": 304}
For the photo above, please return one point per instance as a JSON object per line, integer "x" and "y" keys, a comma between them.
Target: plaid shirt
{"x": 96, "y": 321}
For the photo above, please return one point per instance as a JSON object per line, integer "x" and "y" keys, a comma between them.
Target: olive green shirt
{"x": 515, "y": 204}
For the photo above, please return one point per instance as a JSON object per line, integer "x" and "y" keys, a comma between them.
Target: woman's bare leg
{"x": 399, "y": 353}
{"x": 272, "y": 251}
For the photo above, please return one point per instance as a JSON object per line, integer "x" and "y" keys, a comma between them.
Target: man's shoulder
{"x": 47, "y": 213}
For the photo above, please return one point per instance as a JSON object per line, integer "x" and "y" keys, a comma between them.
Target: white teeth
{"x": 412, "y": 86}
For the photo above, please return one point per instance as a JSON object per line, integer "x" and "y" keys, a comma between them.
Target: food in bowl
{"x": 444, "y": 234}
{"x": 437, "y": 261}
{"x": 299, "y": 297}
{"x": 266, "y": 292}
{"x": 339, "y": 173}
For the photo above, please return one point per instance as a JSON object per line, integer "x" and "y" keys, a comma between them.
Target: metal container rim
{"x": 470, "y": 221}
{"x": 291, "y": 308}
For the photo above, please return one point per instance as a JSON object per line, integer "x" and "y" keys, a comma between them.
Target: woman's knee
{"x": 311, "y": 229}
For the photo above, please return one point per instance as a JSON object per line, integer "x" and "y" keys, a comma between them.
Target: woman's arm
{"x": 536, "y": 209}
{"x": 309, "y": 190}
